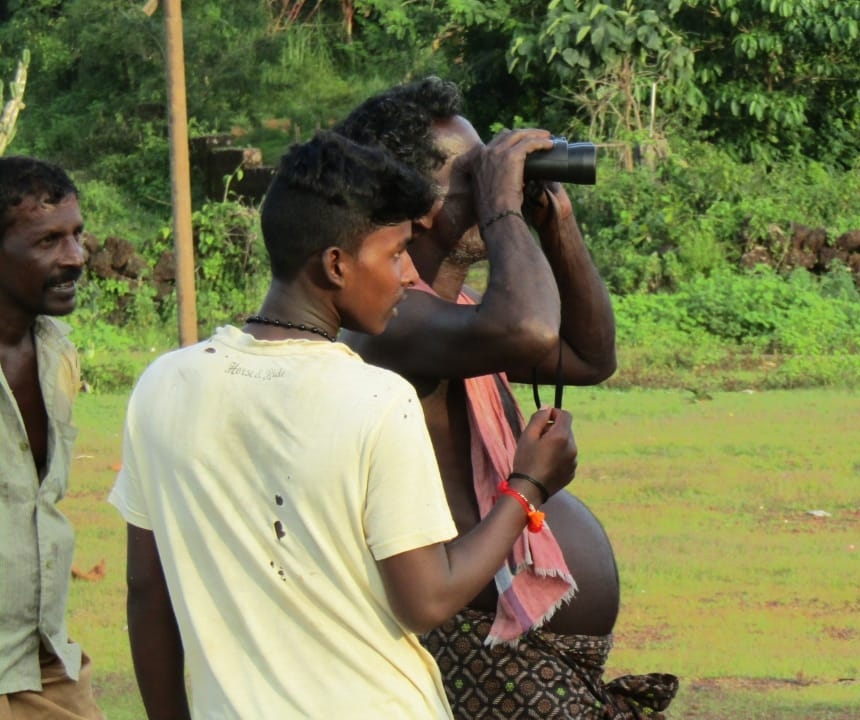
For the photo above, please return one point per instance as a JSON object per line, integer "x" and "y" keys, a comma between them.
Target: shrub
{"x": 734, "y": 330}
{"x": 231, "y": 266}
{"x": 693, "y": 212}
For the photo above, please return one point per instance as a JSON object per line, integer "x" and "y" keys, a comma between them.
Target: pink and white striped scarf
{"x": 535, "y": 580}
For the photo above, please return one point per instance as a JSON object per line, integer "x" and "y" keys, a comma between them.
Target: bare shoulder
{"x": 432, "y": 337}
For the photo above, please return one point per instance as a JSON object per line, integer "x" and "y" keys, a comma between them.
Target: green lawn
{"x": 728, "y": 580}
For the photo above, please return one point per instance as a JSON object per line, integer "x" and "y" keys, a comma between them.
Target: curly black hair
{"x": 400, "y": 120}
{"x": 22, "y": 177}
{"x": 332, "y": 191}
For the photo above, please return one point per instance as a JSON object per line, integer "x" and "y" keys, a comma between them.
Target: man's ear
{"x": 335, "y": 265}
{"x": 425, "y": 222}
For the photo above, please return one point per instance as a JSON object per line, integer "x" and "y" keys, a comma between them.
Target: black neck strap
{"x": 559, "y": 383}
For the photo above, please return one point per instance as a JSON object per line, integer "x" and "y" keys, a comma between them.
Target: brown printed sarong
{"x": 61, "y": 698}
{"x": 545, "y": 676}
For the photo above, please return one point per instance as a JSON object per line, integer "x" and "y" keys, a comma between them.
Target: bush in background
{"x": 752, "y": 329}
{"x": 667, "y": 239}
{"x": 694, "y": 211}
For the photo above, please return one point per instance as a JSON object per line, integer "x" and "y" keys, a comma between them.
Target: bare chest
{"x": 22, "y": 375}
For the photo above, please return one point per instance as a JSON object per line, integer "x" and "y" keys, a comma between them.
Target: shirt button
{"x": 24, "y": 446}
{"x": 49, "y": 564}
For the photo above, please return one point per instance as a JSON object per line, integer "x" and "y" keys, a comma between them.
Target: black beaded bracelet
{"x": 534, "y": 481}
{"x": 505, "y": 213}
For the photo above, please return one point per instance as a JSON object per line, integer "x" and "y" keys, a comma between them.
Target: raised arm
{"x": 534, "y": 290}
{"x": 427, "y": 586}
{"x": 518, "y": 317}
{"x": 587, "y": 318}
{"x": 156, "y": 647}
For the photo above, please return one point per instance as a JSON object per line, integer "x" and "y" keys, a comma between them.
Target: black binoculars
{"x": 566, "y": 162}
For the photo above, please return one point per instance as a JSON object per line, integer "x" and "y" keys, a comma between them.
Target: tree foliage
{"x": 607, "y": 61}
{"x": 98, "y": 90}
{"x": 766, "y": 79}
{"x": 778, "y": 77}
{"x": 757, "y": 100}
{"x": 769, "y": 79}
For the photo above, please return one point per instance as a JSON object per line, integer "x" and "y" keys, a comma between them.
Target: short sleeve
{"x": 405, "y": 506}
{"x": 127, "y": 496}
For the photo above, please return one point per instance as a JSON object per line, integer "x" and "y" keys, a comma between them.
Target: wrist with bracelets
{"x": 500, "y": 216}
{"x": 544, "y": 492}
{"x": 535, "y": 516}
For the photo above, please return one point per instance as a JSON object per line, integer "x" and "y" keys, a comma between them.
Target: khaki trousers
{"x": 61, "y": 698}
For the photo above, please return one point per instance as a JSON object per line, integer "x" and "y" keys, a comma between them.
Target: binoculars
{"x": 566, "y": 162}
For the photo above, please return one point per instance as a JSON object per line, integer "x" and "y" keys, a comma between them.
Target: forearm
{"x": 587, "y": 317}
{"x": 450, "y": 575}
{"x": 520, "y": 291}
{"x": 427, "y": 585}
{"x": 156, "y": 650}
{"x": 474, "y": 558}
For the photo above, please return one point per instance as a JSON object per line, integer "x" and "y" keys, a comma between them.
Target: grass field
{"x": 729, "y": 579}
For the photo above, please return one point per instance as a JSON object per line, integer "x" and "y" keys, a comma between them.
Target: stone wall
{"x": 215, "y": 159}
{"x": 803, "y": 247}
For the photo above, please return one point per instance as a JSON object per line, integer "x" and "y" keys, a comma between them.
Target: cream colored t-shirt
{"x": 274, "y": 475}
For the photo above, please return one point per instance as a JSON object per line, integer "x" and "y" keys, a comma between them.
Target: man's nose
{"x": 72, "y": 251}
{"x": 409, "y": 276}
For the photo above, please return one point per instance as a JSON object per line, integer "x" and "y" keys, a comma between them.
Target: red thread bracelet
{"x": 535, "y": 516}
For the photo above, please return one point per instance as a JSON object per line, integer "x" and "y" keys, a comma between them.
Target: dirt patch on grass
{"x": 733, "y": 684}
{"x": 751, "y": 699}
{"x": 113, "y": 685}
{"x": 641, "y": 638}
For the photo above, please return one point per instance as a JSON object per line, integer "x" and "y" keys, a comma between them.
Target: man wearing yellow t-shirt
{"x": 288, "y": 534}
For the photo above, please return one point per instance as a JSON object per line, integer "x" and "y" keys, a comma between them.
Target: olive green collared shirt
{"x": 36, "y": 541}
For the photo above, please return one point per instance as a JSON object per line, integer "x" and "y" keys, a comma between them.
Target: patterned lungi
{"x": 546, "y": 675}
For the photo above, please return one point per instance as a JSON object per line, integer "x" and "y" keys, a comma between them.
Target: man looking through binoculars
{"x": 537, "y": 638}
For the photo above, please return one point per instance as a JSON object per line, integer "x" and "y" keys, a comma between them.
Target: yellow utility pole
{"x": 180, "y": 174}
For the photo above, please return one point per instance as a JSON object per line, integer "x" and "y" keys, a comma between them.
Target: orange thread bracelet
{"x": 535, "y": 516}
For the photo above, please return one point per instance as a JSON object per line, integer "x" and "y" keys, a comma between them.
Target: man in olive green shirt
{"x": 42, "y": 673}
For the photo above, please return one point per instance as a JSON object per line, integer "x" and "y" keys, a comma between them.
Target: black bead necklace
{"x": 261, "y": 320}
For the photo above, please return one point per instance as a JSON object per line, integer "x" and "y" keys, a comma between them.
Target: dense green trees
{"x": 778, "y": 77}
{"x": 767, "y": 79}
{"x": 745, "y": 114}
